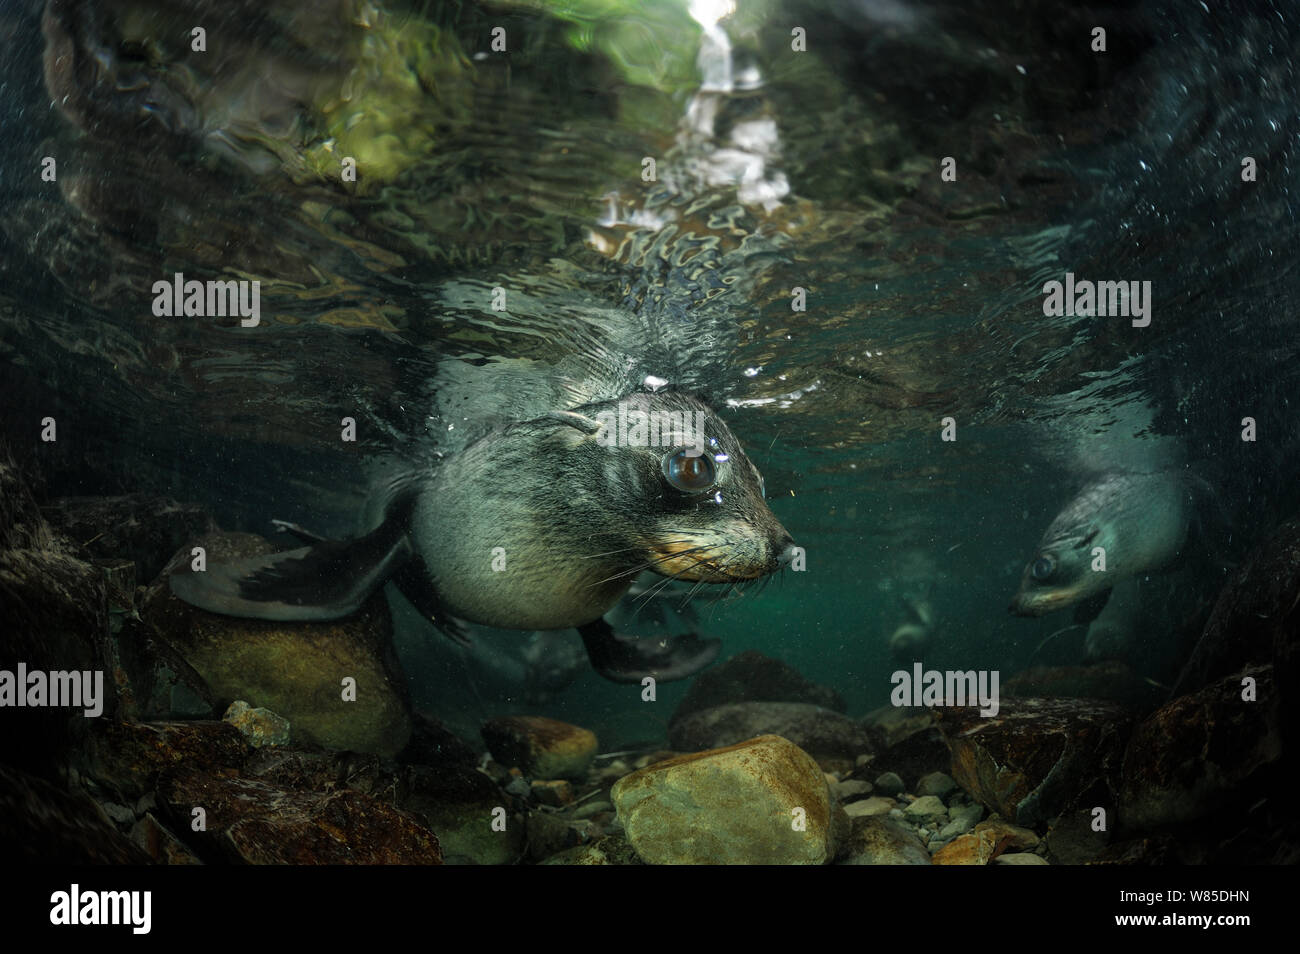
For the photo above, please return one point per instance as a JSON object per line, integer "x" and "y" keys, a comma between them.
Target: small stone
{"x": 853, "y": 788}
{"x": 936, "y": 783}
{"x": 1020, "y": 839}
{"x": 259, "y": 726}
{"x": 862, "y": 760}
{"x": 1019, "y": 858}
{"x": 591, "y": 809}
{"x": 896, "y": 813}
{"x": 518, "y": 787}
{"x": 889, "y": 784}
{"x": 118, "y": 813}
{"x": 926, "y": 809}
{"x": 871, "y": 806}
{"x": 557, "y": 793}
{"x": 962, "y": 819}
{"x": 976, "y": 848}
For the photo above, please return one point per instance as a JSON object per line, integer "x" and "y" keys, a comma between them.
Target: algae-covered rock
{"x": 1199, "y": 751}
{"x": 41, "y": 824}
{"x": 259, "y": 726}
{"x": 764, "y": 801}
{"x": 540, "y": 747}
{"x": 881, "y": 840}
{"x": 608, "y": 850}
{"x": 467, "y": 810}
{"x": 1037, "y": 757}
{"x": 299, "y": 670}
{"x": 126, "y": 758}
{"x": 250, "y": 821}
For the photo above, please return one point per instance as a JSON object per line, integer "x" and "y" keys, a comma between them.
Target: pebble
{"x": 889, "y": 784}
{"x": 556, "y": 793}
{"x": 1019, "y": 858}
{"x": 926, "y": 809}
{"x": 871, "y": 806}
{"x": 592, "y": 808}
{"x": 937, "y": 784}
{"x": 853, "y": 788}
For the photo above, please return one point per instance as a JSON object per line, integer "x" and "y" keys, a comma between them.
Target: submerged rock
{"x": 41, "y": 824}
{"x": 253, "y": 822}
{"x": 1110, "y": 680}
{"x": 939, "y": 784}
{"x": 158, "y": 842}
{"x": 467, "y": 810}
{"x": 259, "y": 726}
{"x": 916, "y": 751}
{"x": 607, "y": 850}
{"x": 300, "y": 670}
{"x": 818, "y": 731}
{"x": 875, "y": 805}
{"x": 145, "y": 530}
{"x": 1196, "y": 752}
{"x": 541, "y": 747}
{"x": 763, "y": 801}
{"x": 881, "y": 840}
{"x": 127, "y": 758}
{"x": 1037, "y": 757}
{"x": 55, "y": 619}
{"x": 750, "y": 676}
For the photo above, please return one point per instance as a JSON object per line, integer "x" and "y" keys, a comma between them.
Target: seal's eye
{"x": 691, "y": 474}
{"x": 1043, "y": 568}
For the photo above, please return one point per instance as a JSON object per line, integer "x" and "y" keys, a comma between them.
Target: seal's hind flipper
{"x": 626, "y": 659}
{"x": 327, "y": 580}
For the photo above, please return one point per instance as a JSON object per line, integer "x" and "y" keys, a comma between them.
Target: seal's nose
{"x": 787, "y": 552}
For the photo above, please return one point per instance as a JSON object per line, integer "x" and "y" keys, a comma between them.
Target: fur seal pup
{"x": 541, "y": 525}
{"x": 1139, "y": 519}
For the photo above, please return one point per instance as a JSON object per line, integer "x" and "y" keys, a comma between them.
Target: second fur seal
{"x": 541, "y": 525}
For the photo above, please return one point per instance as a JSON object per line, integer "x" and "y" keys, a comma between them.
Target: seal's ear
{"x": 585, "y": 424}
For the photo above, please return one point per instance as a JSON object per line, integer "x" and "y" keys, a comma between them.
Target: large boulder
{"x": 763, "y": 801}
{"x": 1037, "y": 757}
{"x": 819, "y": 731}
{"x": 295, "y": 669}
{"x": 142, "y": 529}
{"x": 250, "y": 821}
{"x": 1200, "y": 751}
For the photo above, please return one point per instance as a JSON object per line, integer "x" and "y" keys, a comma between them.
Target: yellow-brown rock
{"x": 974, "y": 848}
{"x": 295, "y": 669}
{"x": 541, "y": 747}
{"x": 763, "y": 801}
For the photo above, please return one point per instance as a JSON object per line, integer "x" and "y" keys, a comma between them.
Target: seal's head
{"x": 694, "y": 502}
{"x": 1058, "y": 576}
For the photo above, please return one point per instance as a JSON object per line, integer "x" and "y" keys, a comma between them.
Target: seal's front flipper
{"x": 626, "y": 659}
{"x": 327, "y": 580}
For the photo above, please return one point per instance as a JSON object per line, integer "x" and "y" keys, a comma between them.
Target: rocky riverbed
{"x": 227, "y": 741}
